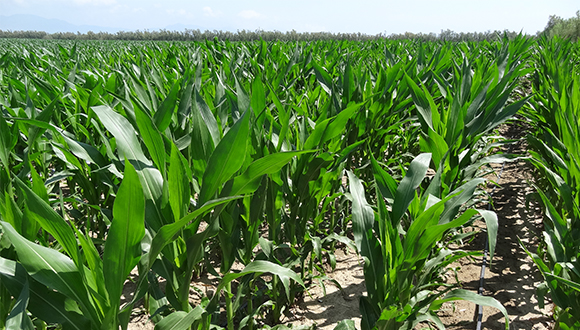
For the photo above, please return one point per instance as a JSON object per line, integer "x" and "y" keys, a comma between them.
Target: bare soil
{"x": 325, "y": 311}
{"x": 511, "y": 279}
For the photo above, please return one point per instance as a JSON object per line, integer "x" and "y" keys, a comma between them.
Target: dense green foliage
{"x": 244, "y": 35}
{"x": 556, "y": 26}
{"x": 555, "y": 113}
{"x": 241, "y": 160}
{"x": 564, "y": 28}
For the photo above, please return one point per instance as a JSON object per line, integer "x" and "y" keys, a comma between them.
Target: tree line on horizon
{"x": 556, "y": 26}
{"x": 245, "y": 35}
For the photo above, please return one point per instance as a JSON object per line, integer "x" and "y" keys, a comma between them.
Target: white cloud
{"x": 208, "y": 12}
{"x": 249, "y": 14}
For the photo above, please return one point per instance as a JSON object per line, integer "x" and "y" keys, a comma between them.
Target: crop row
{"x": 182, "y": 159}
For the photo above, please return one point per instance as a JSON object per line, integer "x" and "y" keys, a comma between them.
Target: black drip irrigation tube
{"x": 479, "y": 308}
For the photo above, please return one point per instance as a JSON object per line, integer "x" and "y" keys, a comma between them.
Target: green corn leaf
{"x": 571, "y": 284}
{"x": 139, "y": 90}
{"x": 43, "y": 117}
{"x": 385, "y": 182}
{"x": 18, "y": 318}
{"x": 50, "y": 221}
{"x": 362, "y": 213}
{"x": 406, "y": 190}
{"x": 363, "y": 219}
{"x": 428, "y": 116}
{"x": 258, "y": 101}
{"x": 392, "y": 247}
{"x": 53, "y": 269}
{"x": 243, "y": 99}
{"x": 67, "y": 157}
{"x": 454, "y": 123}
{"x": 208, "y": 117}
{"x": 127, "y": 142}
{"x": 38, "y": 185}
{"x": 227, "y": 158}
{"x": 11, "y": 213}
{"x": 228, "y": 235}
{"x": 338, "y": 123}
{"x": 424, "y": 243}
{"x": 242, "y": 96}
{"x": 345, "y": 325}
{"x": 151, "y": 137}
{"x": 466, "y": 77}
{"x": 558, "y": 297}
{"x": 323, "y": 78}
{"x": 184, "y": 108}
{"x": 548, "y": 151}
{"x": 179, "y": 193}
{"x": 559, "y": 223}
{"x": 506, "y": 113}
{"x": 5, "y": 143}
{"x": 94, "y": 261}
{"x": 348, "y": 84}
{"x": 162, "y": 117}
{"x": 283, "y": 117}
{"x": 475, "y": 105}
{"x": 85, "y": 152}
{"x": 249, "y": 181}
{"x": 130, "y": 148}
{"x": 460, "y": 294}
{"x": 330, "y": 128}
{"x": 426, "y": 221}
{"x": 46, "y": 304}
{"x": 470, "y": 170}
{"x": 436, "y": 145}
{"x": 167, "y": 233}
{"x": 123, "y": 245}
{"x": 462, "y": 195}
{"x": 370, "y": 313}
{"x": 315, "y": 138}
{"x": 429, "y": 317}
{"x": 38, "y": 123}
{"x": 492, "y": 226}
{"x": 259, "y": 267}
{"x": 202, "y": 144}
{"x": 180, "y": 320}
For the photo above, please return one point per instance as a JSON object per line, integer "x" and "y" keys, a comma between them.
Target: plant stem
{"x": 251, "y": 307}
{"x": 276, "y": 298}
{"x": 229, "y": 308}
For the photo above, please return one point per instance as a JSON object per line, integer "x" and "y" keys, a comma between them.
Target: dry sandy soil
{"x": 511, "y": 279}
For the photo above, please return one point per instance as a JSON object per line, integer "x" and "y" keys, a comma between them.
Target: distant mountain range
{"x": 37, "y": 23}
{"x": 22, "y": 22}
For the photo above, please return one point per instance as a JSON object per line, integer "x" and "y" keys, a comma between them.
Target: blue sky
{"x": 370, "y": 17}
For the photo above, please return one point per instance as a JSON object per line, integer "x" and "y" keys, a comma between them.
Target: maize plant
{"x": 252, "y": 162}
{"x": 555, "y": 114}
{"x": 404, "y": 263}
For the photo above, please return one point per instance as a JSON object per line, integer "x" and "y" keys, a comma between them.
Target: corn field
{"x": 255, "y": 162}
